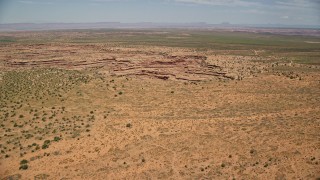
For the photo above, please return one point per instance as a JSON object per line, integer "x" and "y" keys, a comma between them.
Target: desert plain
{"x": 159, "y": 104}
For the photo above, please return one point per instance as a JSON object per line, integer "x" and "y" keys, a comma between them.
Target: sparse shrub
{"x": 56, "y": 138}
{"x": 24, "y": 161}
{"x": 23, "y": 167}
{"x": 129, "y": 125}
{"x": 46, "y": 144}
{"x": 252, "y": 151}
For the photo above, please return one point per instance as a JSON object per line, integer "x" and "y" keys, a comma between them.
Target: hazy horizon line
{"x": 163, "y": 23}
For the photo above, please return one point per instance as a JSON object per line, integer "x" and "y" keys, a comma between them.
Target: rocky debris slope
{"x": 160, "y": 63}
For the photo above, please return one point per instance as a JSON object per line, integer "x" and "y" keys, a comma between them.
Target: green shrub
{"x": 23, "y": 161}
{"x": 46, "y": 144}
{"x": 23, "y": 167}
{"x": 56, "y": 138}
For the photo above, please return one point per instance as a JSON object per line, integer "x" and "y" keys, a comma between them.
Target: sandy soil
{"x": 172, "y": 113}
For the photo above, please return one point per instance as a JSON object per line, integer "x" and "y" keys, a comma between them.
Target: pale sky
{"x": 286, "y": 12}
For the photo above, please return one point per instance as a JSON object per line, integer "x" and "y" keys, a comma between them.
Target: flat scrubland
{"x": 159, "y": 104}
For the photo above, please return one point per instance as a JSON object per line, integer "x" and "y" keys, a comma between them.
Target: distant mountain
{"x": 98, "y": 25}
{"x": 262, "y": 28}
